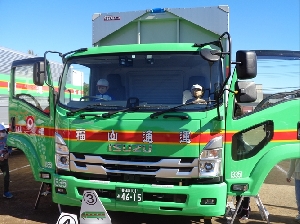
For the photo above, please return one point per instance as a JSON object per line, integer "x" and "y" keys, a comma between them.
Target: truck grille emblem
{"x": 130, "y": 148}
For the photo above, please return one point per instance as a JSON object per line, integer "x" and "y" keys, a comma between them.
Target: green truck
{"x": 147, "y": 150}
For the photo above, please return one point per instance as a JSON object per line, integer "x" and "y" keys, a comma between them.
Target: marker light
{"x": 240, "y": 187}
{"x": 45, "y": 175}
{"x": 157, "y": 10}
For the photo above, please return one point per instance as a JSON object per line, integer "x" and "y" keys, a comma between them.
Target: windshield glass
{"x": 153, "y": 81}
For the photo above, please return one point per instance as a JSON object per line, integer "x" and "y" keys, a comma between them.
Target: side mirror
{"x": 210, "y": 55}
{"x": 39, "y": 73}
{"x": 246, "y": 92}
{"x": 246, "y": 66}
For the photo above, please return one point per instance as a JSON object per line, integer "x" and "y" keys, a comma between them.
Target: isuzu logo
{"x": 110, "y": 18}
{"x": 130, "y": 148}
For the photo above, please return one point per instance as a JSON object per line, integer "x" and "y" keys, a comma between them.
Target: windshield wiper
{"x": 88, "y": 107}
{"x": 156, "y": 114}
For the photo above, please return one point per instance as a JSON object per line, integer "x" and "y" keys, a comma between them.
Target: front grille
{"x": 134, "y": 165}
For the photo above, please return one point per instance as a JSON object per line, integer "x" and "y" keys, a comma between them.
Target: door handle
{"x": 298, "y": 131}
{"x": 13, "y": 124}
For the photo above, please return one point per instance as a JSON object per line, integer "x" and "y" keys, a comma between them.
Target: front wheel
{"x": 207, "y": 220}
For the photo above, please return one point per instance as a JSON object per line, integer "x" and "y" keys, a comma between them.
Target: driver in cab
{"x": 103, "y": 86}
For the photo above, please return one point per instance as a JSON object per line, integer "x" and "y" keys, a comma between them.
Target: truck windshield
{"x": 152, "y": 81}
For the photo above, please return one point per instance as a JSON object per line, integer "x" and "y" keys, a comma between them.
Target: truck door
{"x": 265, "y": 132}
{"x": 247, "y": 139}
{"x": 31, "y": 116}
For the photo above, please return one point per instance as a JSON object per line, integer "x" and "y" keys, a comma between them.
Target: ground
{"x": 277, "y": 195}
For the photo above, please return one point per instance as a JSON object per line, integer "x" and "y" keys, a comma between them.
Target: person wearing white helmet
{"x": 4, "y": 154}
{"x": 197, "y": 92}
{"x": 103, "y": 86}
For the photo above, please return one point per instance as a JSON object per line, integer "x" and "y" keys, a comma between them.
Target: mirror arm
{"x": 235, "y": 92}
{"x": 229, "y": 70}
{"x": 236, "y": 63}
{"x": 45, "y": 64}
{"x": 220, "y": 53}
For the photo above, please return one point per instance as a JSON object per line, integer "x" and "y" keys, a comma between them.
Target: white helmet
{"x": 196, "y": 86}
{"x": 102, "y": 82}
{"x": 2, "y": 127}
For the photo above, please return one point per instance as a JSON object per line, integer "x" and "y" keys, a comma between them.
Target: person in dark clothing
{"x": 4, "y": 154}
{"x": 244, "y": 210}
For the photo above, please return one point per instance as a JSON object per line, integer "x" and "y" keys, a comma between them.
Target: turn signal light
{"x": 45, "y": 175}
{"x": 240, "y": 187}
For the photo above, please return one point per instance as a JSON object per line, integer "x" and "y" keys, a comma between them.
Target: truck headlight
{"x": 210, "y": 159}
{"x": 61, "y": 153}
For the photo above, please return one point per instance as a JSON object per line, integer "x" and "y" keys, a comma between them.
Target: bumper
{"x": 189, "y": 205}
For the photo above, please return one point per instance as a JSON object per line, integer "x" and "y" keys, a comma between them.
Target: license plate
{"x": 129, "y": 194}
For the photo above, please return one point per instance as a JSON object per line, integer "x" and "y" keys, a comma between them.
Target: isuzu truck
{"x": 147, "y": 150}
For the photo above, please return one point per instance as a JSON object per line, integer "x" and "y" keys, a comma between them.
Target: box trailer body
{"x": 178, "y": 25}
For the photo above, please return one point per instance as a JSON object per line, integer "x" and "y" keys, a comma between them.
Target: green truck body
{"x": 147, "y": 150}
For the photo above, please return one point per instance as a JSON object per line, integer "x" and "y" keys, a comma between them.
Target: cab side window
{"x": 25, "y": 89}
{"x": 249, "y": 142}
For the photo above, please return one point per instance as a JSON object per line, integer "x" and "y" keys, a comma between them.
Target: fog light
{"x": 45, "y": 175}
{"x": 208, "y": 201}
{"x": 240, "y": 187}
{"x": 60, "y": 190}
{"x": 63, "y": 160}
{"x": 208, "y": 166}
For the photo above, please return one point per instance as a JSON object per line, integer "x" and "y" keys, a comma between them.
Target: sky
{"x": 66, "y": 25}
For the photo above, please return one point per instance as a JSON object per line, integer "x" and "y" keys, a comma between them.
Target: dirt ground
{"x": 276, "y": 194}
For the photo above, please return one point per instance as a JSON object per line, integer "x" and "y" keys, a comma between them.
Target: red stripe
{"x": 24, "y": 86}
{"x": 45, "y": 131}
{"x": 172, "y": 138}
{"x": 278, "y": 136}
{"x": 285, "y": 135}
{"x": 131, "y": 136}
{"x": 122, "y": 136}
{"x": 3, "y": 84}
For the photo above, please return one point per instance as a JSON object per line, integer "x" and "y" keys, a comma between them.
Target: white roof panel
{"x": 214, "y": 19}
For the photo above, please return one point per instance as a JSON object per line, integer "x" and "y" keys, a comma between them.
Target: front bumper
{"x": 158, "y": 199}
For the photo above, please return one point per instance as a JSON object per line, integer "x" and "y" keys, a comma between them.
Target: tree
{"x": 85, "y": 89}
